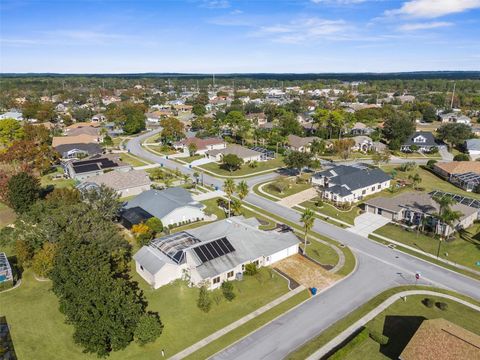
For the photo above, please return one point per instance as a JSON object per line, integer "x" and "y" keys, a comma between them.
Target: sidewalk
{"x": 191, "y": 349}
{"x": 339, "y": 339}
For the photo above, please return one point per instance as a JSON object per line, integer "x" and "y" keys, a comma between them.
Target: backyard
{"x": 7, "y": 215}
{"x": 400, "y": 321}
{"x": 49, "y": 179}
{"x": 464, "y": 249}
{"x": 245, "y": 170}
{"x": 39, "y": 331}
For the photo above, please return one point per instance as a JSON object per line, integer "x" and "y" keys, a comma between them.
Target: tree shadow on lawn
{"x": 399, "y": 329}
{"x": 7, "y": 350}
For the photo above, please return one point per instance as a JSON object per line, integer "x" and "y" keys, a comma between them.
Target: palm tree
{"x": 446, "y": 217}
{"x": 236, "y": 207}
{"x": 416, "y": 179}
{"x": 308, "y": 217}
{"x": 242, "y": 190}
{"x": 196, "y": 175}
{"x": 229, "y": 188}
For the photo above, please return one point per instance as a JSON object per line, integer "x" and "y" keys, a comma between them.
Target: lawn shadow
{"x": 7, "y": 350}
{"x": 399, "y": 329}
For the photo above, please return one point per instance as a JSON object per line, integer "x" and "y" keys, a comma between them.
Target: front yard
{"x": 464, "y": 249}
{"x": 331, "y": 211}
{"x": 133, "y": 160}
{"x": 292, "y": 189}
{"x": 39, "y": 331}
{"x": 245, "y": 170}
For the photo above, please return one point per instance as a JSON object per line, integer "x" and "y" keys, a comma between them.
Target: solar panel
{"x": 213, "y": 249}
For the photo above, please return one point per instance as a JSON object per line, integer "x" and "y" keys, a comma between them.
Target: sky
{"x": 227, "y": 36}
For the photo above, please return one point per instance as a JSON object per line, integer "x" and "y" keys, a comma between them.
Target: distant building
{"x": 473, "y": 148}
{"x": 212, "y": 254}
{"x": 202, "y": 145}
{"x": 455, "y": 118}
{"x": 424, "y": 140}
{"x": 172, "y": 206}
{"x": 298, "y": 143}
{"x": 349, "y": 184}
{"x": 242, "y": 152}
{"x": 77, "y": 151}
{"x": 361, "y": 129}
{"x": 127, "y": 183}
{"x": 12, "y": 115}
{"x": 93, "y": 166}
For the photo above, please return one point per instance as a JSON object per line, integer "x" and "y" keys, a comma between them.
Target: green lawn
{"x": 161, "y": 149}
{"x": 245, "y": 170}
{"x": 331, "y": 211}
{"x": 133, "y": 160}
{"x": 431, "y": 181}
{"x": 39, "y": 331}
{"x": 316, "y": 343}
{"x": 464, "y": 250}
{"x": 322, "y": 253}
{"x": 293, "y": 189}
{"x": 189, "y": 159}
{"x": 47, "y": 180}
{"x": 401, "y": 319}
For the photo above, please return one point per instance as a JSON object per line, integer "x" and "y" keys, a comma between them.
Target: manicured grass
{"x": 400, "y": 321}
{"x": 189, "y": 159}
{"x": 293, "y": 189}
{"x": 133, "y": 160}
{"x": 430, "y": 181}
{"x": 464, "y": 249}
{"x": 161, "y": 149}
{"x": 47, "y": 180}
{"x": 39, "y": 331}
{"x": 245, "y": 170}
{"x": 249, "y": 327}
{"x": 322, "y": 253}
{"x": 331, "y": 211}
{"x": 327, "y": 335}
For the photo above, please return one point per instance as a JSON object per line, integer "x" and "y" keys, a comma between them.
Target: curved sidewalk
{"x": 339, "y": 339}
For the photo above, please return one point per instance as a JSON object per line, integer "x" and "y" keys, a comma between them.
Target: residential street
{"x": 378, "y": 268}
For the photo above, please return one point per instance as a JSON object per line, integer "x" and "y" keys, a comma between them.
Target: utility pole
{"x": 453, "y": 94}
{"x": 213, "y": 78}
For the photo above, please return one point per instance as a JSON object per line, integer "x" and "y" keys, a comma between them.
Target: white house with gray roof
{"x": 212, "y": 254}
{"x": 173, "y": 206}
{"x": 349, "y": 184}
{"x": 473, "y": 148}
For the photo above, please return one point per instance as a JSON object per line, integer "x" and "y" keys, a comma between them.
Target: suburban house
{"x": 202, "y": 145}
{"x": 12, "y": 115}
{"x": 473, "y": 148}
{"x": 440, "y": 339}
{"x": 410, "y": 208}
{"x": 93, "y": 166}
{"x": 82, "y": 124}
{"x": 173, "y": 206}
{"x": 77, "y": 151}
{"x": 349, "y": 184}
{"x": 87, "y": 130}
{"x": 362, "y": 143}
{"x": 242, "y": 152}
{"x": 424, "y": 140}
{"x": 297, "y": 143}
{"x": 214, "y": 253}
{"x": 360, "y": 129}
{"x": 257, "y": 118}
{"x": 128, "y": 183}
{"x": 455, "y": 118}
{"x": 464, "y": 174}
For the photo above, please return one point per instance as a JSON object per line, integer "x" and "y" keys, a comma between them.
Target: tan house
{"x": 298, "y": 143}
{"x": 242, "y": 152}
{"x": 78, "y": 139}
{"x": 410, "y": 208}
{"x": 202, "y": 145}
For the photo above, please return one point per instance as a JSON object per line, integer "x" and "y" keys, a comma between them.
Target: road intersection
{"x": 378, "y": 268}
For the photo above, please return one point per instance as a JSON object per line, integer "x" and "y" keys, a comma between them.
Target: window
{"x": 216, "y": 280}
{"x": 373, "y": 188}
{"x": 230, "y": 274}
{"x": 379, "y": 187}
{"x": 364, "y": 192}
{"x": 243, "y": 267}
{"x": 256, "y": 262}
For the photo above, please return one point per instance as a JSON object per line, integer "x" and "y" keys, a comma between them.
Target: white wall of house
{"x": 184, "y": 213}
{"x": 167, "y": 274}
{"x": 292, "y": 250}
{"x": 356, "y": 195}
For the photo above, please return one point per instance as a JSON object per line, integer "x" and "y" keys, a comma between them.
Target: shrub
{"x": 251, "y": 269}
{"x": 461, "y": 157}
{"x": 428, "y": 302}
{"x": 379, "y": 338}
{"x": 430, "y": 163}
{"x": 356, "y": 341}
{"x": 319, "y": 203}
{"x": 441, "y": 305}
{"x": 204, "y": 302}
{"x": 149, "y": 328}
{"x": 155, "y": 225}
{"x": 227, "y": 290}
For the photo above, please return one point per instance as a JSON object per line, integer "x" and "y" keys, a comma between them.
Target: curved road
{"x": 378, "y": 268}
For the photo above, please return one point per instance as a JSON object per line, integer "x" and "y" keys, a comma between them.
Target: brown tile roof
{"x": 79, "y": 139}
{"x": 460, "y": 167}
{"x": 440, "y": 339}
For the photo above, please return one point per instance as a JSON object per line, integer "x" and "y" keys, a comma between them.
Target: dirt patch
{"x": 306, "y": 272}
{"x": 7, "y": 216}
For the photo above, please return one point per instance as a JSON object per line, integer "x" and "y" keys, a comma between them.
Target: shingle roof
{"x": 430, "y": 139}
{"x": 78, "y": 139}
{"x": 200, "y": 143}
{"x": 119, "y": 180}
{"x": 472, "y": 144}
{"x": 297, "y": 141}
{"x": 90, "y": 148}
{"x": 160, "y": 203}
{"x": 460, "y": 167}
{"x": 240, "y": 151}
{"x": 439, "y": 339}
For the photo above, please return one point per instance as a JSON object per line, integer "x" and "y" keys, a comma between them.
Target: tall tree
{"x": 10, "y": 130}
{"x": 23, "y": 190}
{"x": 454, "y": 134}
{"x": 172, "y": 130}
{"x": 397, "y": 128}
{"x": 307, "y": 218}
{"x": 297, "y": 160}
{"x": 229, "y": 188}
{"x": 231, "y": 162}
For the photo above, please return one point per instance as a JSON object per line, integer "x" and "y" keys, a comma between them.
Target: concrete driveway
{"x": 367, "y": 223}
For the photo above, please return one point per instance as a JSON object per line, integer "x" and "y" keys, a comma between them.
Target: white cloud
{"x": 433, "y": 8}
{"x": 304, "y": 30}
{"x": 423, "y": 26}
{"x": 215, "y": 4}
{"x": 340, "y": 2}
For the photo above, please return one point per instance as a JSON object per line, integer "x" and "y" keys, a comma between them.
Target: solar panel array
{"x": 458, "y": 198}
{"x": 213, "y": 249}
{"x": 93, "y": 164}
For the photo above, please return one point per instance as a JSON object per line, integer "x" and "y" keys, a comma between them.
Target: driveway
{"x": 298, "y": 198}
{"x": 367, "y": 223}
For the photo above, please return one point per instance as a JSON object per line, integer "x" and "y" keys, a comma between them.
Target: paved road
{"x": 378, "y": 268}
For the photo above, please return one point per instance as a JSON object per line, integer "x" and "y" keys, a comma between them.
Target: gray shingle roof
{"x": 90, "y": 148}
{"x": 160, "y": 203}
{"x": 472, "y": 144}
{"x": 119, "y": 180}
{"x": 430, "y": 139}
{"x": 240, "y": 151}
